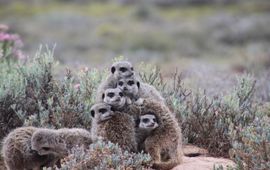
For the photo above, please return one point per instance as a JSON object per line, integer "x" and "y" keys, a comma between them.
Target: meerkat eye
{"x": 121, "y": 83}
{"x": 131, "y": 83}
{"x": 102, "y": 110}
{"x": 154, "y": 120}
{"x": 46, "y": 148}
{"x": 121, "y": 94}
{"x": 132, "y": 68}
{"x": 111, "y": 94}
{"x": 123, "y": 69}
{"x": 145, "y": 120}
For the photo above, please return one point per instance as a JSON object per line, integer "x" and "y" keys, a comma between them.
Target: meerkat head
{"x": 102, "y": 112}
{"x": 114, "y": 97}
{"x": 148, "y": 122}
{"x": 122, "y": 69}
{"x": 130, "y": 86}
{"x": 47, "y": 141}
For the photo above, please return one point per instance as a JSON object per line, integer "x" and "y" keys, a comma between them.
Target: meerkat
{"x": 50, "y": 139}
{"x": 145, "y": 125}
{"x": 121, "y": 69}
{"x": 165, "y": 139}
{"x": 115, "y": 98}
{"x": 119, "y": 102}
{"x": 19, "y": 155}
{"x": 117, "y": 127}
{"x": 137, "y": 90}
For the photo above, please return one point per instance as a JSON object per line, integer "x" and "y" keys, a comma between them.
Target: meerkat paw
{"x": 139, "y": 101}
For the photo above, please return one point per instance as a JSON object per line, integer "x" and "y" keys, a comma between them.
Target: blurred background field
{"x": 212, "y": 58}
{"x": 207, "y": 40}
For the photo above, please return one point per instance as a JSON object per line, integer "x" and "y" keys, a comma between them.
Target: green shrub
{"x": 227, "y": 125}
{"x": 102, "y": 155}
{"x": 231, "y": 125}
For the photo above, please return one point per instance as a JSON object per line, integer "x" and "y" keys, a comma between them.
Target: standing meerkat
{"x": 19, "y": 155}
{"x": 137, "y": 90}
{"x": 114, "y": 126}
{"x": 164, "y": 140}
{"x": 121, "y": 69}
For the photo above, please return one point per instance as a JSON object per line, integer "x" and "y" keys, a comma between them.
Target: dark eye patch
{"x": 102, "y": 110}
{"x": 130, "y": 83}
{"x": 121, "y": 94}
{"x": 123, "y": 69}
{"x": 132, "y": 68}
{"x": 154, "y": 120}
{"x": 92, "y": 113}
{"x": 121, "y": 83}
{"x": 145, "y": 120}
{"x": 111, "y": 94}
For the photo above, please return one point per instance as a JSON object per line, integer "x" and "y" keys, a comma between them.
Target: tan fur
{"x": 17, "y": 152}
{"x": 112, "y": 79}
{"x": 75, "y": 137}
{"x": 166, "y": 139}
{"x": 60, "y": 141}
{"x": 65, "y": 138}
{"x": 119, "y": 128}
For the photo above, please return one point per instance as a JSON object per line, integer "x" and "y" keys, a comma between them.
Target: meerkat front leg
{"x": 153, "y": 149}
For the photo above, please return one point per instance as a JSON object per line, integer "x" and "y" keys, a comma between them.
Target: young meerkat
{"x": 19, "y": 155}
{"x": 121, "y": 69}
{"x": 138, "y": 90}
{"x": 117, "y": 127}
{"x": 145, "y": 125}
{"x": 166, "y": 139}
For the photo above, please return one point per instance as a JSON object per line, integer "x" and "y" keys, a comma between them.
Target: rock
{"x": 203, "y": 163}
{"x": 194, "y": 151}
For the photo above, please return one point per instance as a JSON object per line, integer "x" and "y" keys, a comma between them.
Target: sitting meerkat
{"x": 166, "y": 139}
{"x": 121, "y": 69}
{"x": 117, "y": 127}
{"x": 19, "y": 155}
{"x": 137, "y": 90}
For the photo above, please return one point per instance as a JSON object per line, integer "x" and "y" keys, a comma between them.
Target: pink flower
{"x": 4, "y": 36}
{"x": 77, "y": 86}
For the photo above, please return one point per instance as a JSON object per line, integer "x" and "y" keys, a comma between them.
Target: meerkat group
{"x": 123, "y": 99}
{"x": 127, "y": 111}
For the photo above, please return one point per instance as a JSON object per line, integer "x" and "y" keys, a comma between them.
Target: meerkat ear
{"x": 92, "y": 113}
{"x": 103, "y": 96}
{"x": 113, "y": 69}
{"x": 138, "y": 84}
